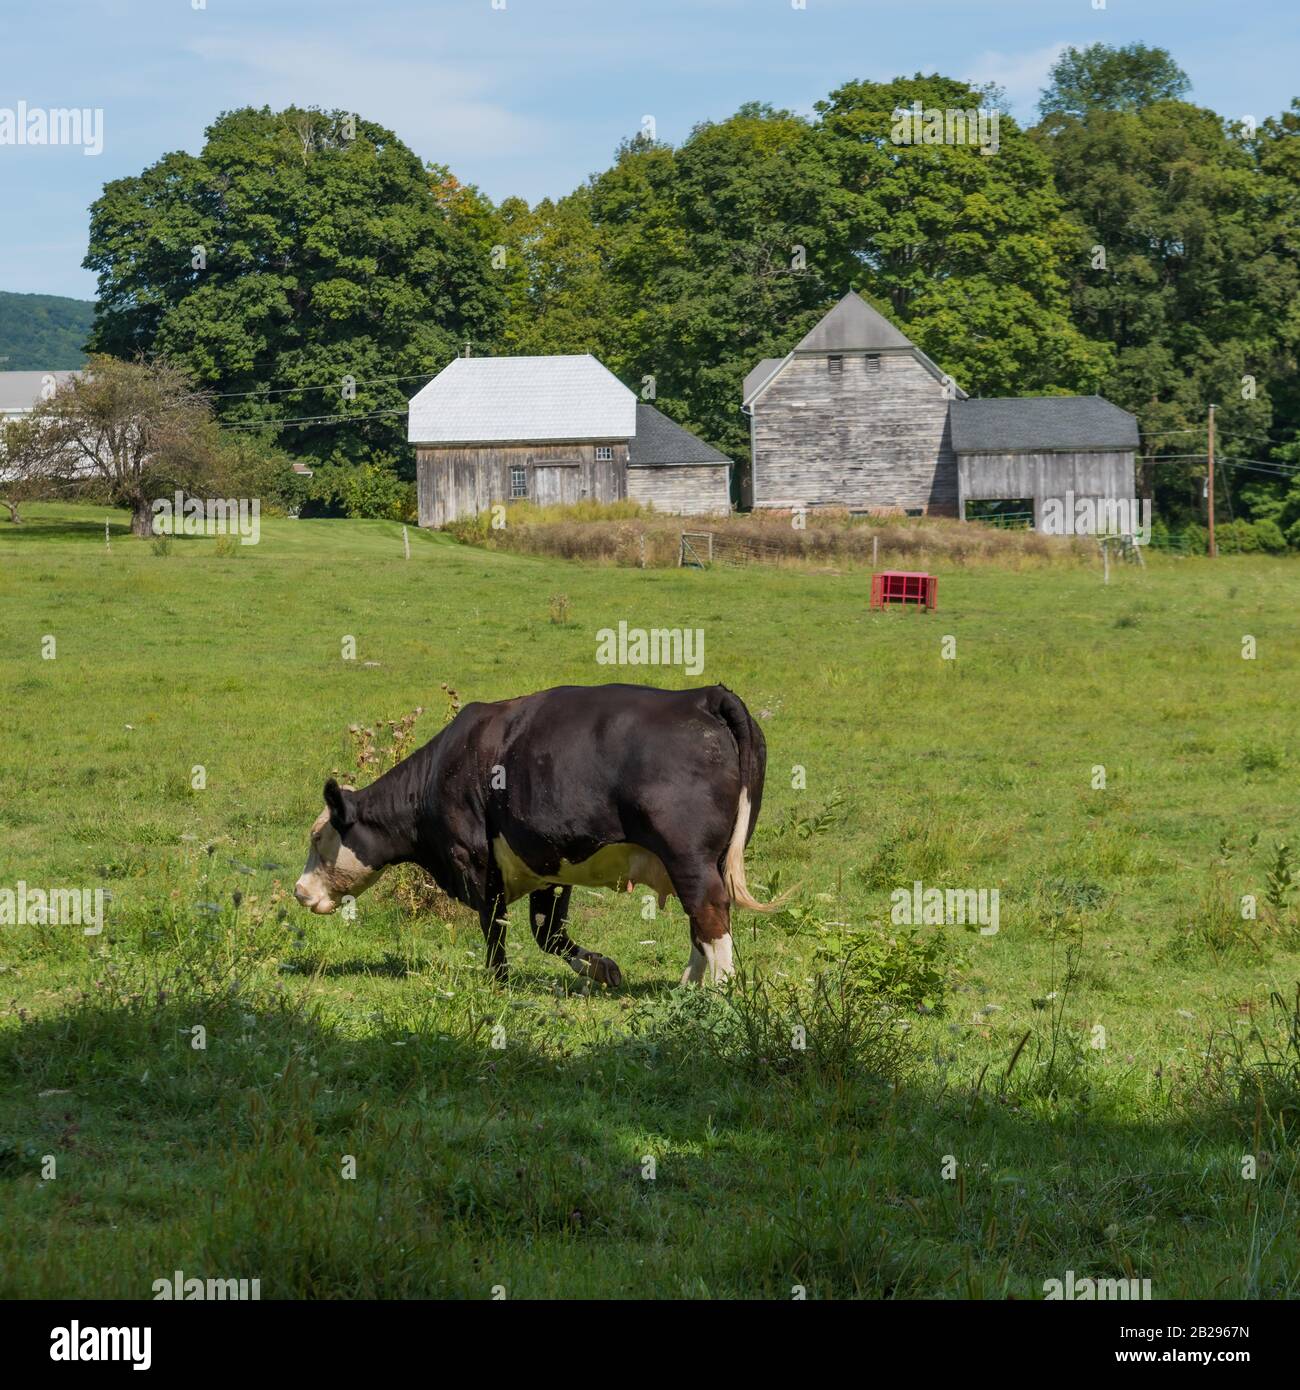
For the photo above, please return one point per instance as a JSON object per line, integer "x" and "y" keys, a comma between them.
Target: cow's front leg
{"x": 492, "y": 918}
{"x": 548, "y": 910}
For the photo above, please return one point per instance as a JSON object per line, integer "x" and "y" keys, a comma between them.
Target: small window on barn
{"x": 835, "y": 365}
{"x": 871, "y": 364}
{"x": 913, "y": 511}
{"x": 604, "y": 453}
{"x": 518, "y": 482}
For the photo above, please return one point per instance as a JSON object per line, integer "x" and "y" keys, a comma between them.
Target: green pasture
{"x": 1108, "y": 1084}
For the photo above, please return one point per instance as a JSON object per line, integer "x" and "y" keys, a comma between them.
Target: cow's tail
{"x": 752, "y": 748}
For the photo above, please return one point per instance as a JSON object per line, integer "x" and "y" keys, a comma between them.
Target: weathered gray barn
{"x": 563, "y": 429}
{"x": 857, "y": 416}
{"x": 1036, "y": 448}
{"x": 674, "y": 469}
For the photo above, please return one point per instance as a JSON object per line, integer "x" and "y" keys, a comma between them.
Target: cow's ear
{"x": 339, "y": 808}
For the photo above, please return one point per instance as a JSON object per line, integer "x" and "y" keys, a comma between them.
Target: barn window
{"x": 604, "y": 453}
{"x": 871, "y": 364}
{"x": 518, "y": 481}
{"x": 835, "y": 365}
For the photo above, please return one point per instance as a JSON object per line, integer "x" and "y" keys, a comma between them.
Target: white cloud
{"x": 442, "y": 112}
{"x": 1023, "y": 75}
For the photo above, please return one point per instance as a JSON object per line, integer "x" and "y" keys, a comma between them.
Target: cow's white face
{"x": 335, "y": 869}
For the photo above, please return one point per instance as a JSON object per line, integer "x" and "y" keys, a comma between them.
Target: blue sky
{"x": 532, "y": 98}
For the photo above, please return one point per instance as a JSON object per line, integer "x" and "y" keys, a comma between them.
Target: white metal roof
{"x": 484, "y": 400}
{"x": 22, "y": 391}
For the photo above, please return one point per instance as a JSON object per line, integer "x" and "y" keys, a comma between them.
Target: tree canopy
{"x": 309, "y": 271}
{"x": 305, "y": 265}
{"x": 1103, "y": 78}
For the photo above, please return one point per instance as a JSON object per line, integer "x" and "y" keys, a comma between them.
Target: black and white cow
{"x": 607, "y": 785}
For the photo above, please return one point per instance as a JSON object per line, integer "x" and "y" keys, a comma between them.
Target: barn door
{"x": 556, "y": 484}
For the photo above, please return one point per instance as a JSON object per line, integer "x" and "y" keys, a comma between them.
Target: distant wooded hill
{"x": 43, "y": 332}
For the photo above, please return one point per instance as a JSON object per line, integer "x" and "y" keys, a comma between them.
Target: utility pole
{"x": 1209, "y": 487}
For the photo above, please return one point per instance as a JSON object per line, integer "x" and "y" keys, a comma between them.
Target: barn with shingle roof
{"x": 857, "y": 416}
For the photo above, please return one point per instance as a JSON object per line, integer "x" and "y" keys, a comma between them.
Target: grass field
{"x": 1110, "y": 1084}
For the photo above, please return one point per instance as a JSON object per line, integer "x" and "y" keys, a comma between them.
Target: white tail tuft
{"x": 733, "y": 870}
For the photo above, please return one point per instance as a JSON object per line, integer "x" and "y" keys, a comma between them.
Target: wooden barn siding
{"x": 682, "y": 489}
{"x": 1086, "y": 473}
{"x": 453, "y": 482}
{"x": 858, "y": 439}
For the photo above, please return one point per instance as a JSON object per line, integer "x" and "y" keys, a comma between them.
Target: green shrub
{"x": 1270, "y": 537}
{"x": 1197, "y": 538}
{"x": 254, "y": 467}
{"x": 374, "y": 492}
{"x": 367, "y": 490}
{"x": 907, "y": 969}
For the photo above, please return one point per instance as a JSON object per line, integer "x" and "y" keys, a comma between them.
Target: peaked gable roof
{"x": 853, "y": 326}
{"x": 486, "y": 400}
{"x": 659, "y": 441}
{"x": 1020, "y": 423}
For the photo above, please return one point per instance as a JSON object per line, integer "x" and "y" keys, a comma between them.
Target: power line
{"x": 1272, "y": 463}
{"x": 328, "y": 386}
{"x": 310, "y": 420}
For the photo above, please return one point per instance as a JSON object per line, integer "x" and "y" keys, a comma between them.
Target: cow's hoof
{"x": 605, "y": 971}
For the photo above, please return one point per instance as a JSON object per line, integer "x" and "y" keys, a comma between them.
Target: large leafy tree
{"x": 300, "y": 250}
{"x": 680, "y": 268}
{"x": 720, "y": 250}
{"x": 1104, "y": 78}
{"x": 561, "y": 299}
{"x": 1191, "y": 280}
{"x": 970, "y": 250}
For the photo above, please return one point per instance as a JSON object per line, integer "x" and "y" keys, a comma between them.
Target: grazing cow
{"x": 606, "y": 785}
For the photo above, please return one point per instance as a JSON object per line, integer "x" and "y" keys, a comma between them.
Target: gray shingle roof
{"x": 853, "y": 326}
{"x": 659, "y": 440}
{"x": 1023, "y": 423}
{"x": 22, "y": 390}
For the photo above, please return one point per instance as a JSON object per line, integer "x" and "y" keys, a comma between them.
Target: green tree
{"x": 718, "y": 251}
{"x": 1185, "y": 273}
{"x": 299, "y": 252}
{"x": 125, "y": 433}
{"x": 1104, "y": 78}
{"x": 969, "y": 250}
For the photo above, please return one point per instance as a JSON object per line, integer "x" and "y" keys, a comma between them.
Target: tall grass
{"x": 625, "y": 533}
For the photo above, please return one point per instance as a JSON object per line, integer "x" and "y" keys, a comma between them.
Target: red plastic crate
{"x": 905, "y": 586}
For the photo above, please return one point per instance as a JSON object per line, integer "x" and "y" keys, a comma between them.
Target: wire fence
{"x": 701, "y": 548}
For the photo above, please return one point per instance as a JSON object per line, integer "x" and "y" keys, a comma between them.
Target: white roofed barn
{"x": 562, "y": 429}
